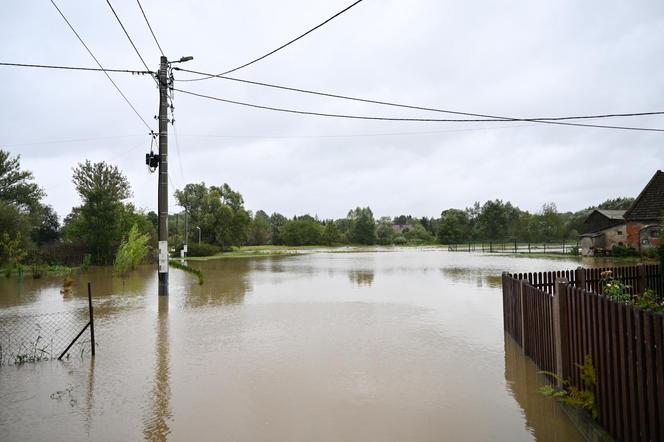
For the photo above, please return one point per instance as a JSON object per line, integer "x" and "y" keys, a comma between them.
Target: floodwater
{"x": 377, "y": 345}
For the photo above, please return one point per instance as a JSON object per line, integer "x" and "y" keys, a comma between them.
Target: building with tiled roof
{"x": 644, "y": 217}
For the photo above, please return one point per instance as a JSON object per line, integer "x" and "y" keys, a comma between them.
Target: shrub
{"x": 196, "y": 249}
{"x": 578, "y": 397}
{"x": 624, "y": 251}
{"x": 400, "y": 240}
{"x": 132, "y": 251}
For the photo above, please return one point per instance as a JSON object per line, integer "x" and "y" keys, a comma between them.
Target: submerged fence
{"x": 563, "y": 247}
{"x": 557, "y": 320}
{"x": 42, "y": 337}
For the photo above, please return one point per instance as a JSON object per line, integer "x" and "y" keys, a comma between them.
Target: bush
{"x": 400, "y": 240}
{"x": 132, "y": 251}
{"x": 196, "y": 249}
{"x": 624, "y": 251}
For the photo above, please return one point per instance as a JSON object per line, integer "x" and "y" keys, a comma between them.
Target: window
{"x": 654, "y": 233}
{"x": 619, "y": 232}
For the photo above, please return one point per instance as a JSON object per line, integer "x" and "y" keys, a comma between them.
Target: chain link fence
{"x": 35, "y": 338}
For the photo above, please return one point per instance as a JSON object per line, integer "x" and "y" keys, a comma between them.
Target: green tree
{"x": 384, "y": 231}
{"x": 551, "y": 224}
{"x": 46, "y": 226}
{"x": 492, "y": 221}
{"x": 219, "y": 212}
{"x": 98, "y": 222}
{"x": 277, "y": 222}
{"x": 260, "y": 231}
{"x": 301, "y": 231}
{"x": 331, "y": 233}
{"x": 363, "y": 226}
{"x": 15, "y": 185}
{"x": 454, "y": 227}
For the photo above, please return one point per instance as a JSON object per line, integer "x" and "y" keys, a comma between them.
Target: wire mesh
{"x": 35, "y": 338}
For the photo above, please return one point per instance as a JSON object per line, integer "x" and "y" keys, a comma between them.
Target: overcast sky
{"x": 514, "y": 58}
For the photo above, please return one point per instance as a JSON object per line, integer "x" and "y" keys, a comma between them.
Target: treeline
{"x": 30, "y": 231}
{"x": 224, "y": 223}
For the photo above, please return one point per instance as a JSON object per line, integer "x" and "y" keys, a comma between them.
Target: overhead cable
{"x": 127, "y": 34}
{"x": 406, "y": 106}
{"x": 282, "y": 46}
{"x": 363, "y": 117}
{"x": 76, "y": 68}
{"x": 150, "y": 27}
{"x": 102, "y": 67}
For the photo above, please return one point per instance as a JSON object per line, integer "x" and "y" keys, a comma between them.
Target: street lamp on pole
{"x": 199, "y": 235}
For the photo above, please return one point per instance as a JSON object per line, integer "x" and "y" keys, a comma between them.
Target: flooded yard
{"x": 377, "y": 345}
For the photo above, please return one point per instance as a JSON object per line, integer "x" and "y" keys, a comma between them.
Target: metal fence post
{"x": 92, "y": 322}
{"x": 560, "y": 324}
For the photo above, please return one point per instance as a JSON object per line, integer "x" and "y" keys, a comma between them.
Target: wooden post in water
{"x": 560, "y": 324}
{"x": 92, "y": 321}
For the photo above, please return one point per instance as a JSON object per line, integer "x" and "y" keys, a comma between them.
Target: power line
{"x": 127, "y": 34}
{"x": 282, "y": 46}
{"x": 405, "y": 106}
{"x": 74, "y": 140}
{"x": 357, "y": 135}
{"x": 150, "y": 27}
{"x": 102, "y": 67}
{"x": 75, "y": 68}
{"x": 362, "y": 117}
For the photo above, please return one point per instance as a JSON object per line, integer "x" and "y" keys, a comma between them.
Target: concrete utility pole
{"x": 162, "y": 192}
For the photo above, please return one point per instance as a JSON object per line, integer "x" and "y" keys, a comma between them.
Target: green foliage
{"x": 196, "y": 250}
{"x": 103, "y": 219}
{"x": 614, "y": 288}
{"x": 649, "y": 300}
{"x": 418, "y": 234}
{"x": 362, "y": 226}
{"x": 260, "y": 230}
{"x": 617, "y": 290}
{"x": 623, "y": 251}
{"x": 218, "y": 211}
{"x": 87, "y": 261}
{"x": 454, "y": 227}
{"x": 331, "y": 233}
{"x": 582, "y": 397}
{"x": 400, "y": 240}
{"x": 46, "y": 226}
{"x": 12, "y": 253}
{"x": 15, "y": 185}
{"x": 301, "y": 231}
{"x": 186, "y": 268}
{"x": 131, "y": 252}
{"x": 277, "y": 222}
{"x": 384, "y": 231}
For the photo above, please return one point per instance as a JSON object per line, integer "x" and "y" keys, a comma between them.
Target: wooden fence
{"x": 563, "y": 247}
{"x": 557, "y": 320}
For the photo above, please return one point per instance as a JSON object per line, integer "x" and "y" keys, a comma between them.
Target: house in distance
{"x": 604, "y": 229}
{"x": 637, "y": 227}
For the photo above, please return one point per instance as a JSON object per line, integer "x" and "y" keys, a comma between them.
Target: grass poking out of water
{"x": 186, "y": 268}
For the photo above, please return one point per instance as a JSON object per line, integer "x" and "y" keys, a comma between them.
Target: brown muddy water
{"x": 379, "y": 345}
